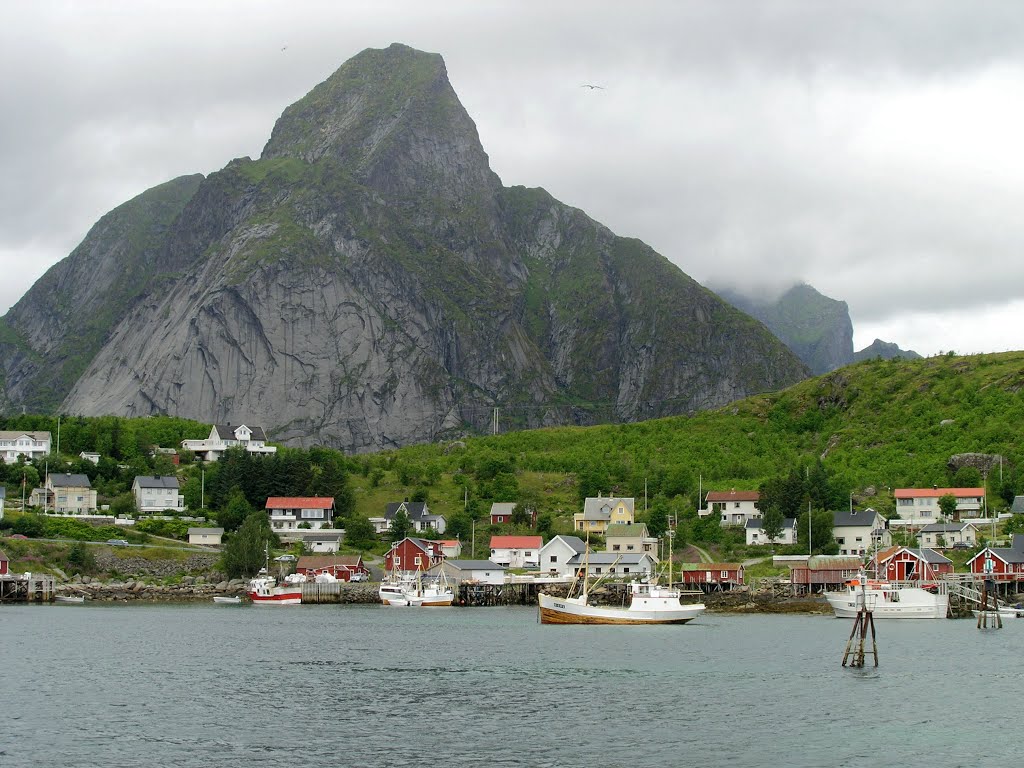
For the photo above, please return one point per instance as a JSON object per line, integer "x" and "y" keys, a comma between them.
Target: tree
{"x": 124, "y": 504}
{"x": 236, "y": 511}
{"x": 519, "y": 515}
{"x": 359, "y": 532}
{"x": 947, "y": 506}
{"x": 400, "y": 525}
{"x": 772, "y": 523}
{"x": 245, "y": 552}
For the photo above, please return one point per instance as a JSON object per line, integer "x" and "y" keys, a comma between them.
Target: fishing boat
{"x": 265, "y": 590}
{"x": 227, "y": 599}
{"x": 889, "y": 600}
{"x": 649, "y": 603}
{"x": 414, "y": 590}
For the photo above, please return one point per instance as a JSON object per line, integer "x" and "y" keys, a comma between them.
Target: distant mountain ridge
{"x": 817, "y": 328}
{"x": 368, "y": 283}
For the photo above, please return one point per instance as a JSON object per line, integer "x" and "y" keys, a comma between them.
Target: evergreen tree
{"x": 400, "y": 525}
{"x": 245, "y": 552}
{"x": 772, "y": 522}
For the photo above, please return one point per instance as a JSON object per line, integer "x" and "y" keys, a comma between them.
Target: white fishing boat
{"x": 265, "y": 590}
{"x": 227, "y": 599}
{"x": 1004, "y": 611}
{"x": 649, "y": 603}
{"x": 889, "y": 600}
{"x": 414, "y": 590}
{"x": 69, "y": 599}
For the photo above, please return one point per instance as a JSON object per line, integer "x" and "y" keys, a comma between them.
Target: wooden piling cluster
{"x": 989, "y": 608}
{"x": 474, "y": 594}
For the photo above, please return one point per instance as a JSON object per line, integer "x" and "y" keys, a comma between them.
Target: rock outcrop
{"x": 369, "y": 283}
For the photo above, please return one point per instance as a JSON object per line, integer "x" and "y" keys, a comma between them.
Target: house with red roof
{"x": 732, "y": 507}
{"x": 516, "y": 551}
{"x": 451, "y": 548}
{"x": 920, "y": 506}
{"x": 288, "y": 513}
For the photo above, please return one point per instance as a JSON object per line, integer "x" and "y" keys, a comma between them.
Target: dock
{"x": 27, "y": 588}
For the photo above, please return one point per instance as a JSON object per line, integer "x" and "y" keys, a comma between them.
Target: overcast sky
{"x": 870, "y": 149}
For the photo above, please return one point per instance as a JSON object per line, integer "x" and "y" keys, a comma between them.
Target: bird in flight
{"x": 592, "y": 87}
{"x": 284, "y": 47}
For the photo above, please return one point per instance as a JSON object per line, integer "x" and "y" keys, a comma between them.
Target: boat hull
{"x": 282, "y": 598}
{"x": 227, "y": 600}
{"x": 567, "y": 610}
{"x": 912, "y": 603}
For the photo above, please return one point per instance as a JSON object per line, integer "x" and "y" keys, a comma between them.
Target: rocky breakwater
{"x": 189, "y": 588}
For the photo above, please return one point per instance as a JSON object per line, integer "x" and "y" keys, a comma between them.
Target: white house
{"x": 319, "y": 541}
{"x": 31, "y": 445}
{"x": 516, "y": 551}
{"x": 451, "y": 547}
{"x": 418, "y": 513}
{"x": 920, "y": 506}
{"x": 157, "y": 493}
{"x": 90, "y": 456}
{"x": 206, "y": 536}
{"x": 631, "y": 566}
{"x": 224, "y": 436}
{"x": 732, "y": 507}
{"x": 948, "y": 535}
{"x": 480, "y": 571}
{"x": 556, "y": 554}
{"x": 288, "y": 513}
{"x": 756, "y": 536}
{"x": 629, "y": 538}
{"x": 860, "y": 531}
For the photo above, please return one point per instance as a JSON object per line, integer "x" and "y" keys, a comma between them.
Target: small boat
{"x": 227, "y": 600}
{"x": 70, "y": 599}
{"x": 889, "y": 600}
{"x": 649, "y": 603}
{"x": 413, "y": 590}
{"x": 1004, "y": 611}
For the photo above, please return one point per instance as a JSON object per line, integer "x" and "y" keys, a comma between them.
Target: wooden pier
{"x": 27, "y": 588}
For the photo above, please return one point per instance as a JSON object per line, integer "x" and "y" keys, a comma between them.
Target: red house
{"x": 411, "y": 554}
{"x": 905, "y": 564}
{"x": 1001, "y": 563}
{"x": 5, "y": 564}
{"x": 713, "y": 576}
{"x": 343, "y": 567}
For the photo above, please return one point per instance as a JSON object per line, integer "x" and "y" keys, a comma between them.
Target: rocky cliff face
{"x": 817, "y": 328}
{"x": 368, "y": 283}
{"x": 884, "y": 350}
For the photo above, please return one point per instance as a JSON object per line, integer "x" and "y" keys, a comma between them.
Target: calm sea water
{"x": 231, "y": 686}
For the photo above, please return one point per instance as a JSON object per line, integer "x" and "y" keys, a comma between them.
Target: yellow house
{"x": 598, "y": 513}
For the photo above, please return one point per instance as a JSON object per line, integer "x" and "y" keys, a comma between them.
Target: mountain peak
{"x": 391, "y": 118}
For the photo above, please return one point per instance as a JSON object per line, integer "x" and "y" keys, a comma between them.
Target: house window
{"x": 725, "y": 574}
{"x": 528, "y": 554}
{"x": 597, "y": 570}
{"x": 736, "y": 504}
{"x": 615, "y": 547}
{"x": 312, "y": 513}
{"x": 398, "y": 561}
{"x": 554, "y": 558}
{"x": 416, "y": 560}
{"x": 840, "y": 540}
{"x": 629, "y": 547}
{"x": 501, "y": 518}
{"x": 626, "y": 569}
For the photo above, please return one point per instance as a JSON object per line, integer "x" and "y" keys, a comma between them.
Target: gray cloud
{"x": 868, "y": 149}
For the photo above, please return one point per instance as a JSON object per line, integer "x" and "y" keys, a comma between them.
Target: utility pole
{"x": 202, "y": 488}
{"x": 809, "y": 529}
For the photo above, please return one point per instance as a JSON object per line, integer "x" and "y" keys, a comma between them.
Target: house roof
{"x": 945, "y": 527}
{"x": 733, "y": 495}
{"x": 516, "y": 542}
{"x": 3, "y": 557}
{"x": 755, "y": 523}
{"x": 933, "y": 493}
{"x": 449, "y": 542}
{"x": 227, "y": 432}
{"x": 1012, "y": 554}
{"x": 503, "y": 507}
{"x": 575, "y": 543}
{"x": 324, "y": 534}
{"x": 623, "y": 530}
{"x": 831, "y": 563}
{"x": 710, "y": 566}
{"x": 474, "y": 565}
{"x": 929, "y": 556}
{"x": 8, "y": 434}
{"x": 156, "y": 481}
{"x": 1017, "y": 507}
{"x": 600, "y": 507}
{"x": 206, "y": 531}
{"x": 300, "y": 502}
{"x": 414, "y": 509}
{"x": 314, "y": 562}
{"x": 608, "y": 558}
{"x": 68, "y": 480}
{"x": 427, "y": 545}
{"x": 858, "y": 518}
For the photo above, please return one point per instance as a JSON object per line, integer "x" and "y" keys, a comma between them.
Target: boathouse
{"x": 1000, "y": 563}
{"x": 411, "y": 554}
{"x": 905, "y": 564}
{"x": 712, "y": 577}
{"x": 823, "y": 572}
{"x": 464, "y": 571}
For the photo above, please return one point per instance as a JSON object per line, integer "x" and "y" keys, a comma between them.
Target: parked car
{"x": 117, "y": 542}
{"x": 18, "y": 536}
{"x": 359, "y": 576}
{"x": 961, "y": 545}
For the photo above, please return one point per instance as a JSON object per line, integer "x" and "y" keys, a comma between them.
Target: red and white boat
{"x": 264, "y": 590}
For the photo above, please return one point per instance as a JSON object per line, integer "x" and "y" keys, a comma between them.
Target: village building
{"x": 756, "y": 535}
{"x": 315, "y": 541}
{"x": 558, "y": 552}
{"x": 31, "y": 445}
{"x": 501, "y": 512}
{"x": 411, "y": 554}
{"x": 713, "y": 577}
{"x": 210, "y": 537}
{"x": 1000, "y": 563}
{"x": 66, "y": 494}
{"x": 859, "y": 532}
{"x": 157, "y": 493}
{"x": 905, "y": 564}
{"x": 918, "y": 507}
{"x": 420, "y": 517}
{"x": 629, "y": 538}
{"x": 341, "y": 567}
{"x": 291, "y": 513}
{"x": 475, "y": 571}
{"x": 1017, "y": 508}
{"x": 225, "y": 436}
{"x": 822, "y": 573}
{"x": 516, "y": 551}
{"x": 731, "y": 507}
{"x": 5, "y": 563}
{"x": 90, "y": 456}
{"x": 600, "y": 512}
{"x": 959, "y": 535}
{"x": 633, "y": 566}
{"x": 451, "y": 548}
